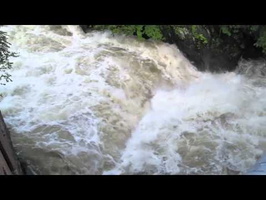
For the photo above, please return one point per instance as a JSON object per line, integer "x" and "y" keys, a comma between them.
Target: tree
{"x": 5, "y": 54}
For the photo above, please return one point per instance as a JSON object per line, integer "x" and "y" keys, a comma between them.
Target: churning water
{"x": 101, "y": 104}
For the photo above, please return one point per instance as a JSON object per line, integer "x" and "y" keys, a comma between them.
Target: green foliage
{"x": 153, "y": 32}
{"x": 257, "y": 32}
{"x": 254, "y": 28}
{"x": 225, "y": 30}
{"x": 5, "y": 54}
{"x": 219, "y": 37}
{"x": 139, "y": 31}
{"x": 180, "y": 31}
{"x": 199, "y": 37}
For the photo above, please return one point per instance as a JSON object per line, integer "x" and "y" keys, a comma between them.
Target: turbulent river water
{"x": 101, "y": 104}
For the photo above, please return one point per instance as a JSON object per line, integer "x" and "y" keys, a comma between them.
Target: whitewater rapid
{"x": 101, "y": 104}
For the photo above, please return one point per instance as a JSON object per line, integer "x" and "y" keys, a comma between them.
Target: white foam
{"x": 101, "y": 104}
